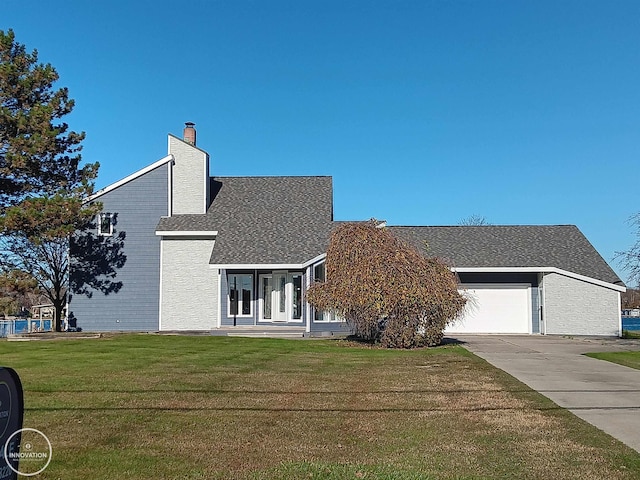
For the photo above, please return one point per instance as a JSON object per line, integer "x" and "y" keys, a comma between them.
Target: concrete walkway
{"x": 602, "y": 393}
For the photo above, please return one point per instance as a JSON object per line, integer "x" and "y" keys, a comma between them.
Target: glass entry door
{"x": 281, "y": 296}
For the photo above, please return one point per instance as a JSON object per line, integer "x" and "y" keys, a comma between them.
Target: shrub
{"x": 385, "y": 289}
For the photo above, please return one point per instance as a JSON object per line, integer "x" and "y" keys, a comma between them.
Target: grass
{"x": 628, "y": 359}
{"x": 160, "y": 407}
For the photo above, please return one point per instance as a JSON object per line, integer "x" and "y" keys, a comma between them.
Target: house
{"x": 206, "y": 252}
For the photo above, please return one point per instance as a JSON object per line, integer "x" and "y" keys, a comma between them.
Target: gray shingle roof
{"x": 288, "y": 220}
{"x": 264, "y": 220}
{"x": 560, "y": 246}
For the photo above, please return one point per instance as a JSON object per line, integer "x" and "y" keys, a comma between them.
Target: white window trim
{"x": 102, "y": 215}
{"x": 288, "y": 294}
{"x": 240, "y": 305}
{"x": 290, "y": 287}
{"x": 261, "y": 318}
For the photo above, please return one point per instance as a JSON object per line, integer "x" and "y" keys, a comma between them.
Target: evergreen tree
{"x": 42, "y": 185}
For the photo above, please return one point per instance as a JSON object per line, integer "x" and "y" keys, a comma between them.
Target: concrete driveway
{"x": 602, "y": 393}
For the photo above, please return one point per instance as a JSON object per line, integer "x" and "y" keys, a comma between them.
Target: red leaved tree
{"x": 385, "y": 289}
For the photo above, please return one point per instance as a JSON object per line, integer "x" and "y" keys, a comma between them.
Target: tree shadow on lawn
{"x": 355, "y": 341}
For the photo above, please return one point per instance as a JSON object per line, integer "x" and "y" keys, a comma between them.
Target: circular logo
{"x": 33, "y": 454}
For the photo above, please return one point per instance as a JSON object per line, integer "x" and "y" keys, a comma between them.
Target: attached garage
{"x": 526, "y": 279}
{"x": 495, "y": 308}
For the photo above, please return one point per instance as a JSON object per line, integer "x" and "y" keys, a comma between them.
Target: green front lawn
{"x": 629, "y": 359}
{"x": 173, "y": 407}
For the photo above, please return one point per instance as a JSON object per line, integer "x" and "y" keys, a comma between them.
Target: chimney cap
{"x": 189, "y": 124}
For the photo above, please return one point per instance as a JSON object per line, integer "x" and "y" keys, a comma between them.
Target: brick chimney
{"x": 189, "y": 134}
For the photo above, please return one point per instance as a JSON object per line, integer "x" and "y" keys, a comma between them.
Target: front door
{"x": 281, "y": 297}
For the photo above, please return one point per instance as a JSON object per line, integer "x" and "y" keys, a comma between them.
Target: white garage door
{"x": 503, "y": 308}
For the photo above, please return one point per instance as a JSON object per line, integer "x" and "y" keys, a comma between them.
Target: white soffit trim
{"x": 322, "y": 256}
{"x": 269, "y": 266}
{"x": 258, "y": 266}
{"x": 182, "y": 233}
{"x": 559, "y": 271}
{"x": 133, "y": 176}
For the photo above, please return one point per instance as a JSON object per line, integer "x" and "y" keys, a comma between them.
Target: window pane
{"x": 297, "y": 296}
{"x": 104, "y": 224}
{"x": 233, "y": 297}
{"x": 266, "y": 298}
{"x": 283, "y": 286}
{"x": 247, "y": 289}
{"x": 319, "y": 273}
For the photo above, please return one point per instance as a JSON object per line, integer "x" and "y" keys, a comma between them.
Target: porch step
{"x": 261, "y": 332}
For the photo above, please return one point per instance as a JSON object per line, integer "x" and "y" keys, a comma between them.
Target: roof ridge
{"x": 487, "y": 226}
{"x": 270, "y": 176}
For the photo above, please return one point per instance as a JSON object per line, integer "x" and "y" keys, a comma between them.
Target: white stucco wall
{"x": 188, "y": 285}
{"x": 189, "y": 177}
{"x": 576, "y": 307}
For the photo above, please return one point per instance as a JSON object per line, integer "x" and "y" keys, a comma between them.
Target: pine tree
{"x": 42, "y": 185}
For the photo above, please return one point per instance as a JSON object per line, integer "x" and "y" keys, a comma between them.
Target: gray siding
{"x": 576, "y": 307}
{"x": 138, "y": 204}
{"x": 329, "y": 328}
{"x": 535, "y": 310}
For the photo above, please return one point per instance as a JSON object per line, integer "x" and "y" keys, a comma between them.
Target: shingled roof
{"x": 559, "y": 246}
{"x": 264, "y": 220}
{"x": 288, "y": 221}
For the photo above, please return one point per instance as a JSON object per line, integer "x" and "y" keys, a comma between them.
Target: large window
{"x": 240, "y": 295}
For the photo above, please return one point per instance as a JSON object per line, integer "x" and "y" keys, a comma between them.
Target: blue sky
{"x": 424, "y": 112}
